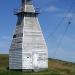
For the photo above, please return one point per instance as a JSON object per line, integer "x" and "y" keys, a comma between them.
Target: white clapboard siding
{"x": 28, "y": 48}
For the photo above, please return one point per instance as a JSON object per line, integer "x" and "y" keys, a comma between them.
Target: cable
{"x": 60, "y": 42}
{"x": 51, "y": 34}
{"x": 67, "y": 27}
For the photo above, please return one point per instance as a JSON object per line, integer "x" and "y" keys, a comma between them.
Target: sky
{"x": 57, "y": 20}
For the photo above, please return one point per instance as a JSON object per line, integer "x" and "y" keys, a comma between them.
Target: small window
{"x": 27, "y": 57}
{"x": 18, "y": 35}
{"x": 14, "y": 36}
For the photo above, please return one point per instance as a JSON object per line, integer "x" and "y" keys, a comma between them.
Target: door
{"x": 27, "y": 61}
{"x": 35, "y": 61}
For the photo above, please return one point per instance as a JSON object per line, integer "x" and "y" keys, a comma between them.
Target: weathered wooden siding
{"x": 28, "y": 49}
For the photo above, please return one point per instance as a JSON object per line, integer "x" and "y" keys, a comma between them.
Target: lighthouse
{"x": 28, "y": 50}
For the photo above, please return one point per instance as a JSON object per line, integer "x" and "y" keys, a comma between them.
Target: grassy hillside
{"x": 56, "y": 67}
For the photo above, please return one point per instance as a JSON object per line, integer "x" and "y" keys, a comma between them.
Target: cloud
{"x": 52, "y": 9}
{"x": 5, "y": 44}
{"x": 66, "y": 50}
{"x": 63, "y": 54}
{"x": 4, "y": 41}
{"x": 68, "y": 55}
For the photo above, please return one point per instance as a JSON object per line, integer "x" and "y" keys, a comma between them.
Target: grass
{"x": 56, "y": 67}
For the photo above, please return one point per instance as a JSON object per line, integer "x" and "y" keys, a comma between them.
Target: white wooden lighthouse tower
{"x": 28, "y": 50}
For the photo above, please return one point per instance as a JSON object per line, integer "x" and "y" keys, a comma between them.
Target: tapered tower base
{"x": 28, "y": 50}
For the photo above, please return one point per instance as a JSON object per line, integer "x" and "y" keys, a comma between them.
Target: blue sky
{"x": 54, "y": 17}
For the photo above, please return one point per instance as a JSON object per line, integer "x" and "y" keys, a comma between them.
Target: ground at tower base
{"x": 56, "y": 67}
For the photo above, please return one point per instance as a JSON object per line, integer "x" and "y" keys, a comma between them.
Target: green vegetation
{"x": 56, "y": 67}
